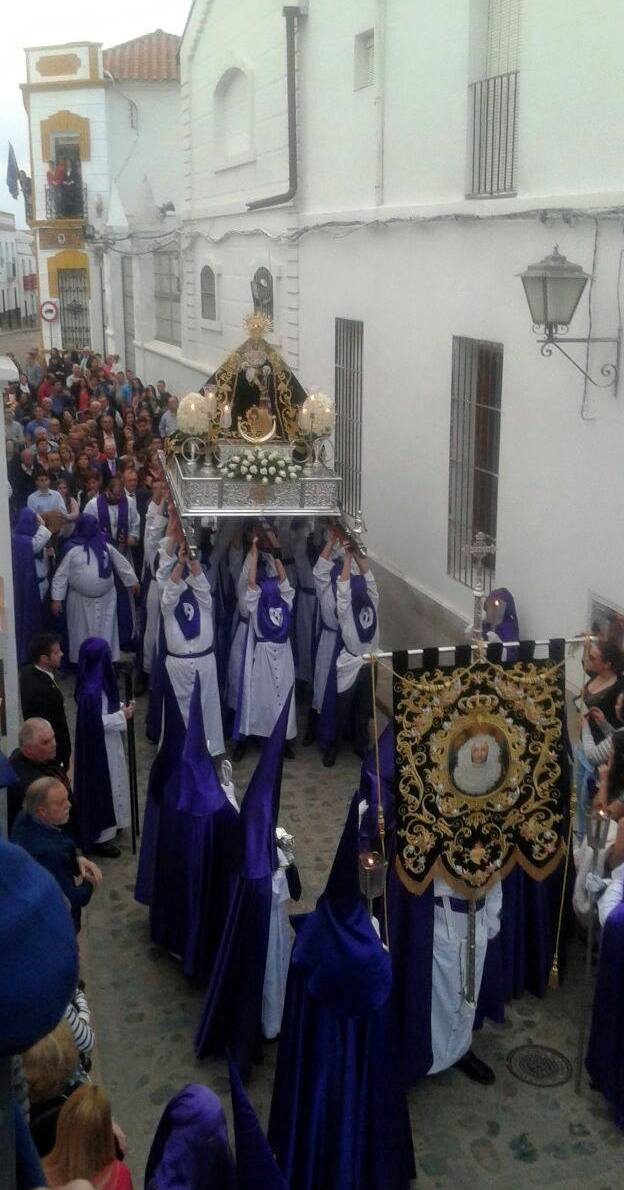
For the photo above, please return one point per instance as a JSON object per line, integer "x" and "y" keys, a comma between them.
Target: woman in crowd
{"x": 604, "y": 665}
{"x": 71, "y": 506}
{"x": 52, "y": 1071}
{"x": 86, "y": 1144}
{"x": 67, "y": 457}
{"x": 82, "y": 471}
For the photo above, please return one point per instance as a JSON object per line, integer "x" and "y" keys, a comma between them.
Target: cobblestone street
{"x": 146, "y": 1014}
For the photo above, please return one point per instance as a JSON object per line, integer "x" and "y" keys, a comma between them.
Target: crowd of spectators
{"x": 74, "y": 420}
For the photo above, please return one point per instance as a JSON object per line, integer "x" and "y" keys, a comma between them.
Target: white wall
{"x": 561, "y": 489}
{"x": 153, "y": 149}
{"x": 251, "y": 37}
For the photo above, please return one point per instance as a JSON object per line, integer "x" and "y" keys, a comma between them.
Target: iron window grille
{"x": 476, "y": 387}
{"x": 349, "y": 341}
{"x": 208, "y": 287}
{"x": 493, "y": 115}
{"x": 167, "y": 297}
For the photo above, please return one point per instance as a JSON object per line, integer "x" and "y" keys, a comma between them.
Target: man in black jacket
{"x": 39, "y": 830}
{"x": 34, "y": 758}
{"x": 40, "y": 695}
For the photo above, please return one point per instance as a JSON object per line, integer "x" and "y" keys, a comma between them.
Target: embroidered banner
{"x": 482, "y": 778}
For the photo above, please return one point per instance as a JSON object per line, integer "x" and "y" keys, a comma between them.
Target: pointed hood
{"x": 368, "y": 790}
{"x": 201, "y": 793}
{"x": 342, "y": 890}
{"x": 260, "y": 805}
{"x": 347, "y": 967}
{"x": 172, "y": 741}
{"x": 256, "y": 1165}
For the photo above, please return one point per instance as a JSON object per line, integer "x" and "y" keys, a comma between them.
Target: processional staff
{"x": 481, "y": 549}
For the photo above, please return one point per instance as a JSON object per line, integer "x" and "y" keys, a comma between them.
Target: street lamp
{"x": 553, "y": 290}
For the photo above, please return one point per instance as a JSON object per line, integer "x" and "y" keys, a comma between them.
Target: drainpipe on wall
{"x": 291, "y": 12}
{"x": 380, "y": 97}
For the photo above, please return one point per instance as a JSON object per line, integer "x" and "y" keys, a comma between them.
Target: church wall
{"x": 152, "y": 149}
{"x": 560, "y": 489}
{"x": 249, "y": 38}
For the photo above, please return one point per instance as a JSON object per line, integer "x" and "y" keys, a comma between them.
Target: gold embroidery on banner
{"x": 478, "y": 771}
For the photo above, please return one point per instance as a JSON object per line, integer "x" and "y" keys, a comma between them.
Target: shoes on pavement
{"x": 475, "y": 1069}
{"x": 329, "y": 758}
{"x": 288, "y": 752}
{"x": 238, "y": 751}
{"x": 107, "y": 850}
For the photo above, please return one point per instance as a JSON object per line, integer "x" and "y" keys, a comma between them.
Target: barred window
{"x": 474, "y": 452}
{"x": 208, "y": 287}
{"x": 167, "y": 297}
{"x": 349, "y": 341}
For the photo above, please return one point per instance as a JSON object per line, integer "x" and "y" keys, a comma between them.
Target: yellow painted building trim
{"x": 53, "y": 65}
{"x": 94, "y": 71}
{"x": 66, "y": 85}
{"x": 69, "y": 258}
{"x": 58, "y": 224}
{"x": 70, "y": 123}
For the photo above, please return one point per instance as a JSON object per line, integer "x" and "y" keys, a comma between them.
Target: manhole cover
{"x": 539, "y": 1065}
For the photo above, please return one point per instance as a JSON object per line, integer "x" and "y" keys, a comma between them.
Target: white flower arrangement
{"x": 260, "y": 465}
{"x": 193, "y": 415}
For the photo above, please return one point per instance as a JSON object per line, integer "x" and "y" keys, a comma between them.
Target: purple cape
{"x": 605, "y": 1053}
{"x": 93, "y": 798}
{"x": 28, "y": 610}
{"x": 339, "y": 1115}
{"x": 508, "y": 628}
{"x": 256, "y": 1165}
{"x": 232, "y": 1012}
{"x": 105, "y": 521}
{"x": 163, "y": 770}
{"x": 194, "y": 854}
{"x": 190, "y": 1150}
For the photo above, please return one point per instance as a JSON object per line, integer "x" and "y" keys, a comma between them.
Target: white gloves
{"x": 595, "y": 883}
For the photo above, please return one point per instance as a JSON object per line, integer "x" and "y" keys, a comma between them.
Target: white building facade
{"x": 113, "y": 115}
{"x": 18, "y": 276}
{"x": 440, "y": 149}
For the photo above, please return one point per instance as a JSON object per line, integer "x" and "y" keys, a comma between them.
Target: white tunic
{"x": 114, "y": 727}
{"x": 239, "y": 571}
{"x": 91, "y": 608}
{"x": 306, "y": 605}
{"x": 42, "y": 564}
{"x": 349, "y": 661}
{"x": 134, "y": 520}
{"x": 269, "y": 674}
{"x": 278, "y": 954}
{"x": 183, "y": 660}
{"x": 452, "y": 1017}
{"x": 612, "y": 895}
{"x": 155, "y": 525}
{"x": 329, "y": 627}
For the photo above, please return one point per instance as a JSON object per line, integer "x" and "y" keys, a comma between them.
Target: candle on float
{"x": 211, "y": 400}
{"x": 226, "y": 417}
{"x": 304, "y": 417}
